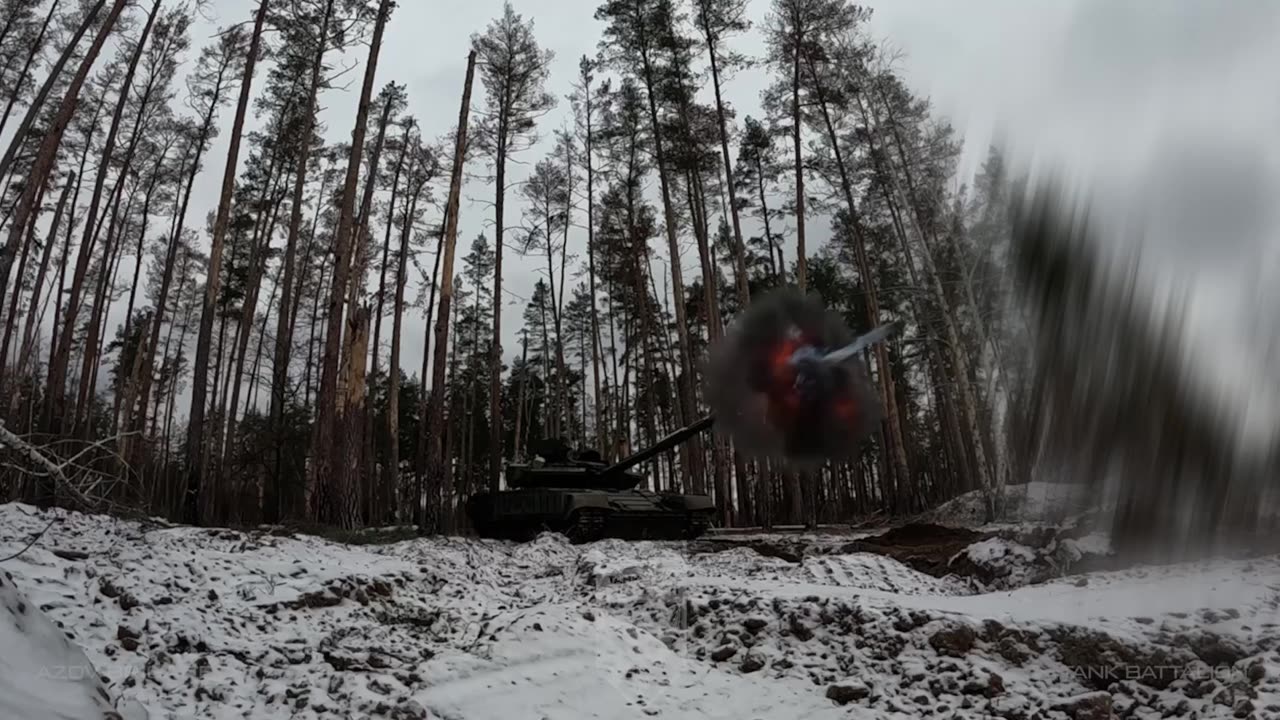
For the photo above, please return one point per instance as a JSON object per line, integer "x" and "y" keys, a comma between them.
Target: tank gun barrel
{"x": 666, "y": 443}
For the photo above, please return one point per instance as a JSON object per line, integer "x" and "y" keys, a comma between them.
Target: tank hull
{"x": 587, "y": 515}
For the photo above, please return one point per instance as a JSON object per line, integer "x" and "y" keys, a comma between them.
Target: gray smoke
{"x": 785, "y": 384}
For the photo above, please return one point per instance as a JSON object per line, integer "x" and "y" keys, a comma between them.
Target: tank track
{"x": 587, "y": 525}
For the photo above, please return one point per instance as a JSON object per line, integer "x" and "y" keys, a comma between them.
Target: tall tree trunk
{"x": 356, "y": 292}
{"x": 516, "y": 449}
{"x": 384, "y": 491}
{"x": 802, "y": 277}
{"x": 495, "y": 348}
{"x": 779, "y": 270}
{"x": 893, "y": 423}
{"x": 353, "y": 448}
{"x": 421, "y": 462}
{"x": 561, "y": 402}
{"x": 175, "y": 240}
{"x": 102, "y": 299}
{"x": 311, "y": 338}
{"x": 438, "y": 462}
{"x": 135, "y": 137}
{"x": 392, "y": 484}
{"x": 179, "y": 220}
{"x": 55, "y": 72}
{"x": 739, "y": 249}
{"x": 200, "y": 370}
{"x": 325, "y": 443}
{"x": 66, "y": 254}
{"x": 11, "y": 323}
{"x": 127, "y": 392}
{"x": 25, "y": 350}
{"x": 32, "y": 53}
{"x": 691, "y": 452}
{"x": 248, "y": 310}
{"x": 601, "y": 422}
{"x": 40, "y": 171}
{"x": 307, "y": 254}
{"x": 968, "y": 402}
{"x": 255, "y": 374}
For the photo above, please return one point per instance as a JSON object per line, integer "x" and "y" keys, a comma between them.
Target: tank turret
{"x": 579, "y": 494}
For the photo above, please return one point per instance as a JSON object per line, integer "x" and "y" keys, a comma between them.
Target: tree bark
{"x": 325, "y": 443}
{"x": 28, "y": 330}
{"x": 428, "y": 515}
{"x": 392, "y": 485}
{"x": 55, "y": 72}
{"x": 200, "y": 370}
{"x": 691, "y": 452}
{"x": 355, "y": 293}
{"x": 893, "y": 426}
{"x": 12, "y": 321}
{"x": 39, "y": 173}
{"x": 34, "y": 51}
{"x": 802, "y": 277}
{"x": 739, "y": 249}
{"x": 495, "y": 349}
{"x": 179, "y": 226}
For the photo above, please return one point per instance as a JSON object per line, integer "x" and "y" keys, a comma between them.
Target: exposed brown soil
{"x": 923, "y": 546}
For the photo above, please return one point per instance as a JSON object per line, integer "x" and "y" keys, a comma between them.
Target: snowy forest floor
{"x": 1016, "y": 621}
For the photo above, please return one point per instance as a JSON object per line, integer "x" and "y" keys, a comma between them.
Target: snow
{"x": 1038, "y": 501}
{"x": 42, "y": 674}
{"x": 998, "y": 550}
{"x": 212, "y": 623}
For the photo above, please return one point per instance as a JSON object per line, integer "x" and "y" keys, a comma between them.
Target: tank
{"x": 581, "y": 496}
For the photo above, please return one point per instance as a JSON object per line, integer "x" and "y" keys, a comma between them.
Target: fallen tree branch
{"x": 22, "y": 447}
{"x": 34, "y": 539}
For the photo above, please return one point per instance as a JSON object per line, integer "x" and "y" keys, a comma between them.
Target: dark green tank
{"x": 586, "y": 499}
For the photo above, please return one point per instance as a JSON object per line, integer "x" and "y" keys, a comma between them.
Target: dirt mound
{"x": 792, "y": 551}
{"x": 926, "y": 547}
{"x": 1000, "y": 558}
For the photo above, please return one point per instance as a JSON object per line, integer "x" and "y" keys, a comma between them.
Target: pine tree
{"x": 195, "y": 445}
{"x": 718, "y": 19}
{"x": 434, "y": 479}
{"x": 208, "y": 88}
{"x": 513, "y": 70}
{"x": 583, "y": 102}
{"x": 21, "y": 37}
{"x": 423, "y": 168}
{"x": 759, "y": 169}
{"x": 304, "y": 57}
{"x": 328, "y": 474}
{"x": 548, "y": 196}
{"x": 632, "y": 42}
{"x": 57, "y": 374}
{"x": 55, "y": 75}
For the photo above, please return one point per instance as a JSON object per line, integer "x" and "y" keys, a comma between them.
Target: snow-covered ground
{"x": 184, "y": 623}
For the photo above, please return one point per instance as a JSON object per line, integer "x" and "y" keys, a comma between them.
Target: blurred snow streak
{"x": 1122, "y": 401}
{"x": 1147, "y": 247}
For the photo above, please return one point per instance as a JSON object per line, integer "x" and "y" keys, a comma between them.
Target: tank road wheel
{"x": 480, "y": 513}
{"x": 586, "y": 525}
{"x": 697, "y": 525}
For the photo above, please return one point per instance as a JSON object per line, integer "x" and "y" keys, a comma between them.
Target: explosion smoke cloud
{"x": 787, "y": 383}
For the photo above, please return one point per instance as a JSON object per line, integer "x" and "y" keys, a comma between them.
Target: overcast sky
{"x": 1170, "y": 109}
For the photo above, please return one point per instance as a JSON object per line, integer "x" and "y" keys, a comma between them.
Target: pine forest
{"x": 218, "y": 307}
